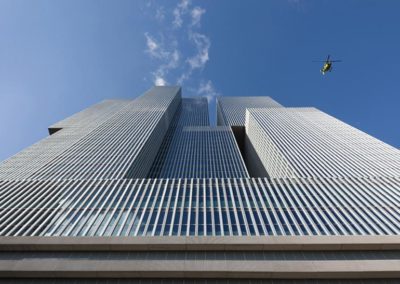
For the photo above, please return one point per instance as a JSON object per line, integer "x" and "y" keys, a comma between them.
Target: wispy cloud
{"x": 160, "y": 13}
{"x": 154, "y": 48}
{"x": 159, "y": 81}
{"x": 162, "y": 71}
{"x": 202, "y": 44}
{"x": 177, "y": 19}
{"x": 151, "y": 43}
{"x": 168, "y": 58}
{"x": 179, "y": 11}
{"x": 207, "y": 89}
{"x": 196, "y": 14}
{"x": 180, "y": 50}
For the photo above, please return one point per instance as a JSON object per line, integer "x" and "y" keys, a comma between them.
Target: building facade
{"x": 147, "y": 190}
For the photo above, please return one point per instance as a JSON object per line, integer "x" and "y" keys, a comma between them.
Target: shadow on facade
{"x": 252, "y": 161}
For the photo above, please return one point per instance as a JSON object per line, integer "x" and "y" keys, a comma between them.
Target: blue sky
{"x": 58, "y": 57}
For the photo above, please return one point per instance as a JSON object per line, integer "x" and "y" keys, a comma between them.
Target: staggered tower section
{"x": 194, "y": 149}
{"x": 154, "y": 167}
{"x": 110, "y": 140}
{"x": 305, "y": 142}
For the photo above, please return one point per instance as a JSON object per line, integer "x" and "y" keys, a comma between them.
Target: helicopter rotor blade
{"x": 327, "y": 59}
{"x": 336, "y": 60}
{"x": 318, "y": 61}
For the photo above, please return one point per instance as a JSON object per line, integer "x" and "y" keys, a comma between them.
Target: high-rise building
{"x": 147, "y": 190}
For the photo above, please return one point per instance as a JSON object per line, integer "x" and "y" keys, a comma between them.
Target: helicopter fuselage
{"x": 327, "y": 67}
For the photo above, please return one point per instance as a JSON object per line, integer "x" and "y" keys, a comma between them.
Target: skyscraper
{"x": 147, "y": 189}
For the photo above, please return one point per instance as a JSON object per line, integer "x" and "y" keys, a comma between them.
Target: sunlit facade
{"x": 148, "y": 189}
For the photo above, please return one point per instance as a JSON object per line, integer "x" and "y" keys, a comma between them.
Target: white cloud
{"x": 168, "y": 58}
{"x": 198, "y": 61}
{"x": 174, "y": 59}
{"x": 151, "y": 43}
{"x": 179, "y": 11}
{"x": 207, "y": 89}
{"x": 184, "y": 5}
{"x": 154, "y": 48}
{"x": 160, "y": 13}
{"x": 177, "y": 18}
{"x": 183, "y": 77}
{"x": 202, "y": 44}
{"x": 159, "y": 81}
{"x": 173, "y": 63}
{"x": 196, "y": 14}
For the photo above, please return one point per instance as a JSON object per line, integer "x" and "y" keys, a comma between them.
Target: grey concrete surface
{"x": 200, "y": 243}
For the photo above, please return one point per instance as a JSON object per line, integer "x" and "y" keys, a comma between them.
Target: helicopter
{"x": 327, "y": 64}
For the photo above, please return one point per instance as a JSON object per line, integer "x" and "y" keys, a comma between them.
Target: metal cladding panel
{"x": 191, "y": 112}
{"x": 197, "y": 207}
{"x": 93, "y": 115}
{"x": 231, "y": 111}
{"x": 325, "y": 186}
{"x": 305, "y": 142}
{"x": 193, "y": 149}
{"x": 110, "y": 140}
{"x": 28, "y": 161}
{"x": 201, "y": 152}
{"x": 327, "y": 178}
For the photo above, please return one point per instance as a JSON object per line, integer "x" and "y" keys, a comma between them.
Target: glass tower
{"x": 147, "y": 189}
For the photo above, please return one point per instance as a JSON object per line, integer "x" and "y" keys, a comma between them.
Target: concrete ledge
{"x": 248, "y": 243}
{"x": 200, "y": 269}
